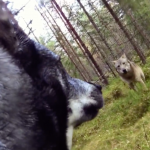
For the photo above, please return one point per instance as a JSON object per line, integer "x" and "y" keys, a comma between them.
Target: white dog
{"x": 129, "y": 72}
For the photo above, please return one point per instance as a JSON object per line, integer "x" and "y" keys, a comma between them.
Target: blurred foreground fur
{"x": 40, "y": 103}
{"x": 129, "y": 72}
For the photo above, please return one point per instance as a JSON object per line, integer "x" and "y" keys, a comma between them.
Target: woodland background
{"x": 88, "y": 35}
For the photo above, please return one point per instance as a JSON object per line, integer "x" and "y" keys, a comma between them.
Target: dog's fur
{"x": 129, "y": 72}
{"x": 40, "y": 103}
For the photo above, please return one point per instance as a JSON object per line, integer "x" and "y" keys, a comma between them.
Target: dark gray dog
{"x": 40, "y": 103}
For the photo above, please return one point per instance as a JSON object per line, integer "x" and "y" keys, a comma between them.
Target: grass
{"x": 124, "y": 121}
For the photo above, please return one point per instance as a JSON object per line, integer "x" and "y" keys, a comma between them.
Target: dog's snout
{"x": 97, "y": 95}
{"x": 99, "y": 87}
{"x": 99, "y": 98}
{"x": 124, "y": 71}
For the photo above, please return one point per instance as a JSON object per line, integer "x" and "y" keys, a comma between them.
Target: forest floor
{"x": 124, "y": 121}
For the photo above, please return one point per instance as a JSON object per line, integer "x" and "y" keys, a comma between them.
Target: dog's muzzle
{"x": 97, "y": 95}
{"x": 124, "y": 71}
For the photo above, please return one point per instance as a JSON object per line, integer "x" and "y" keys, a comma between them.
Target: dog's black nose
{"x": 99, "y": 87}
{"x": 124, "y": 71}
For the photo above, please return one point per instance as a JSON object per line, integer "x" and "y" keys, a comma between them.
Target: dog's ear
{"x": 124, "y": 56}
{"x": 130, "y": 62}
{"x": 114, "y": 62}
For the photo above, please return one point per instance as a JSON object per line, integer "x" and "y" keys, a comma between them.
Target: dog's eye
{"x": 124, "y": 63}
{"x": 118, "y": 66}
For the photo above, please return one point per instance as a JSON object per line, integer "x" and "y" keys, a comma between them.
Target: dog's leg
{"x": 141, "y": 81}
{"x": 142, "y": 76}
{"x": 132, "y": 86}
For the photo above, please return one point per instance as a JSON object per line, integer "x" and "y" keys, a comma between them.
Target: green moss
{"x": 124, "y": 121}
